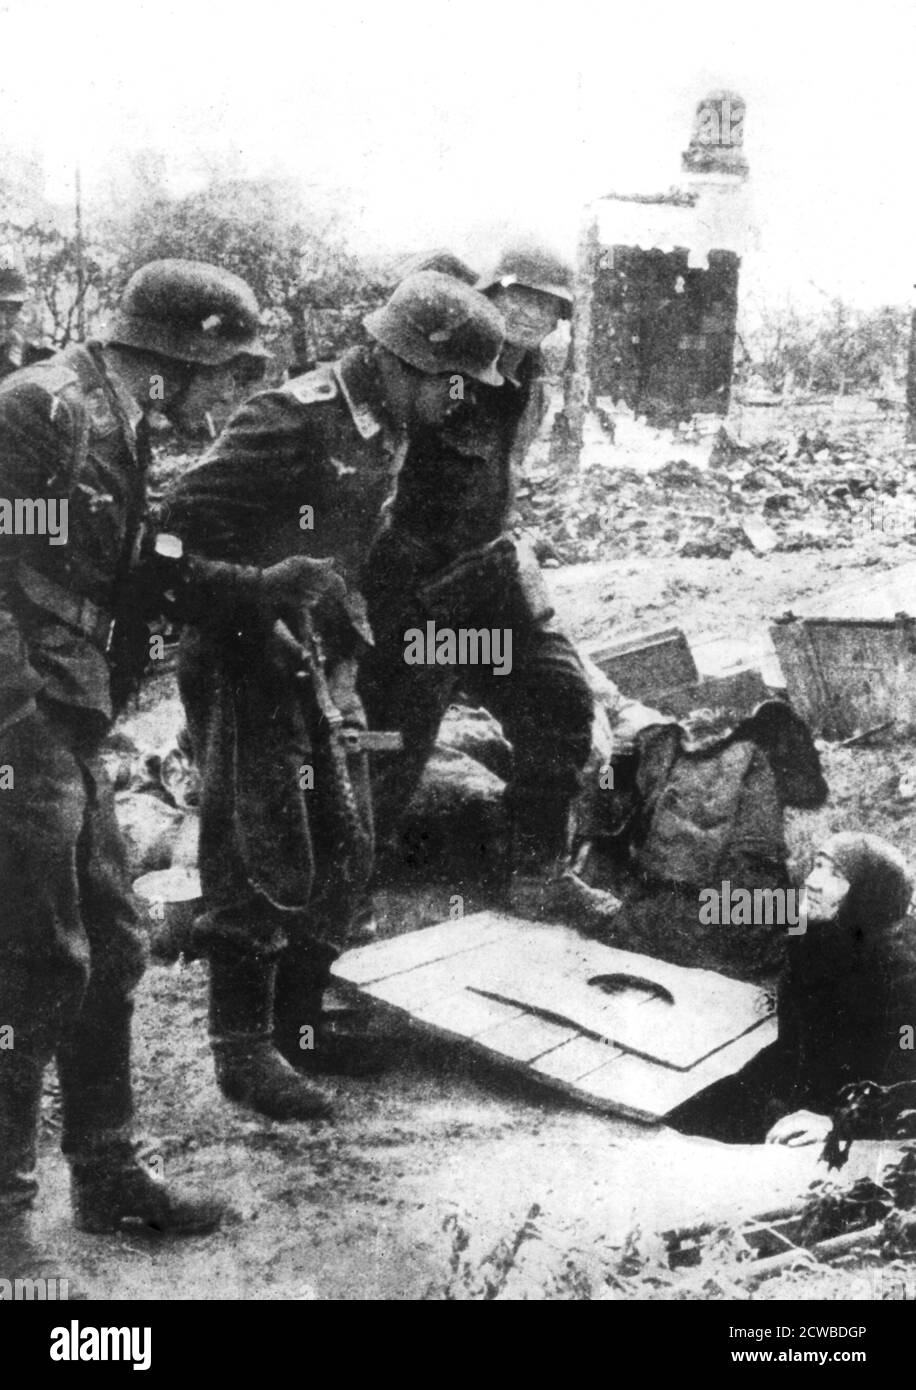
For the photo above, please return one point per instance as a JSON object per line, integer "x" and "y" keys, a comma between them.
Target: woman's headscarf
{"x": 880, "y": 880}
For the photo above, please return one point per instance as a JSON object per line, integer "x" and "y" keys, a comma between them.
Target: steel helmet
{"x": 188, "y": 310}
{"x": 537, "y": 268}
{"x": 437, "y": 324}
{"x": 14, "y": 287}
{"x": 442, "y": 260}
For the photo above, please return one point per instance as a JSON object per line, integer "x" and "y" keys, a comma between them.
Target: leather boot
{"x": 545, "y": 882}
{"x": 111, "y": 1190}
{"x": 20, "y": 1105}
{"x": 93, "y": 1068}
{"x": 545, "y": 887}
{"x": 560, "y": 895}
{"x": 310, "y": 1039}
{"x": 21, "y": 1258}
{"x": 249, "y": 1069}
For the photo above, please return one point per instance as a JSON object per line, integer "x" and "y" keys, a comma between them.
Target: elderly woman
{"x": 847, "y": 1001}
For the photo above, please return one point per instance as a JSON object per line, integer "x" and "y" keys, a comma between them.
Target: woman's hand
{"x": 799, "y": 1129}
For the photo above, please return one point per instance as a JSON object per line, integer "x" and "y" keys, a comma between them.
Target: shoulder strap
{"x": 63, "y": 380}
{"x": 85, "y": 370}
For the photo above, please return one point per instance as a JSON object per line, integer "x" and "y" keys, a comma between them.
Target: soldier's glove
{"x": 216, "y": 594}
{"x": 503, "y": 577}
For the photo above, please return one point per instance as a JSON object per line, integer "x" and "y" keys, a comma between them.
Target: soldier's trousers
{"x": 543, "y": 703}
{"x": 278, "y": 867}
{"x": 71, "y": 949}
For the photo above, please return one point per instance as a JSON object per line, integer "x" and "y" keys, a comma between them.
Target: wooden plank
{"x": 679, "y": 1035}
{"x": 402, "y": 953}
{"x": 578, "y": 957}
{"x": 575, "y": 1060}
{"x": 547, "y": 968}
{"x": 634, "y": 1086}
{"x": 709, "y": 1008}
{"x": 418, "y": 987}
{"x": 440, "y": 979}
{"x": 444, "y": 978}
{"x": 646, "y": 665}
{"x": 524, "y": 1037}
{"x": 540, "y": 959}
{"x": 538, "y": 949}
{"x": 466, "y": 1014}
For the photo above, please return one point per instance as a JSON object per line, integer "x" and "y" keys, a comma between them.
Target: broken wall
{"x": 663, "y": 333}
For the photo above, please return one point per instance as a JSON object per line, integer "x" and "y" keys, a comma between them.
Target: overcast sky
{"x": 437, "y": 122}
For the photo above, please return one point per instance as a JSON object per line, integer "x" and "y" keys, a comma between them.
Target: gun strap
{"x": 354, "y": 830}
{"x": 76, "y": 612}
{"x": 315, "y": 654}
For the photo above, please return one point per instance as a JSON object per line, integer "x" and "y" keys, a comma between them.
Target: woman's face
{"x": 825, "y": 890}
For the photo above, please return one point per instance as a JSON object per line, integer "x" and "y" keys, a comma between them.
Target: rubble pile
{"x": 810, "y": 494}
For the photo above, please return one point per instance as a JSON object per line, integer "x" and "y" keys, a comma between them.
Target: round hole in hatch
{"x": 631, "y": 984}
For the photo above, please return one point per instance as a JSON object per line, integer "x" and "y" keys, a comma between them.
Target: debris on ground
{"x": 814, "y": 490}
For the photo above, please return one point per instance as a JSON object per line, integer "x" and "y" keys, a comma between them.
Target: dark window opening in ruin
{"x": 663, "y": 333}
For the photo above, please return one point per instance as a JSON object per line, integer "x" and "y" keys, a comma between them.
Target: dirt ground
{"x": 446, "y": 1178}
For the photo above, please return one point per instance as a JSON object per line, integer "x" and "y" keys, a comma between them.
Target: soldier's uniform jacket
{"x": 454, "y": 496}
{"x": 504, "y": 419}
{"x": 319, "y": 442}
{"x": 68, "y": 435}
{"x": 322, "y": 442}
{"x": 455, "y": 492}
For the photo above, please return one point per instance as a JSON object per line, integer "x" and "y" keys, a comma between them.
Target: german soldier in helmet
{"x": 73, "y": 437}
{"x": 15, "y": 351}
{"x": 277, "y": 727}
{"x": 444, "y": 549}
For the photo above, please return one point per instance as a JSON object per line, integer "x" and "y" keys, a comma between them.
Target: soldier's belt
{"x": 79, "y": 613}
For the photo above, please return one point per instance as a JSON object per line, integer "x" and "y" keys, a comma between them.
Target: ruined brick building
{"x": 657, "y": 299}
